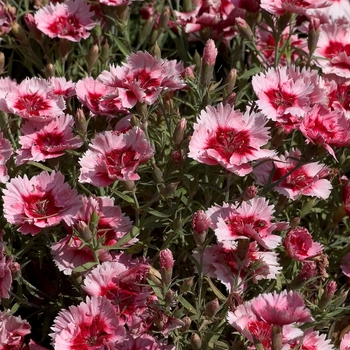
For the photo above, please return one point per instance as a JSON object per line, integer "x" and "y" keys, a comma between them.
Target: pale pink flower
{"x": 325, "y": 127}
{"x": 41, "y": 141}
{"x": 345, "y": 265}
{"x": 251, "y": 219}
{"x": 12, "y": 331}
{"x": 144, "y": 342}
{"x": 281, "y": 308}
{"x": 308, "y": 179}
{"x": 287, "y": 92}
{"x": 98, "y": 97}
{"x": 225, "y": 136}
{"x": 338, "y": 9}
{"x": 6, "y": 85}
{"x": 333, "y": 49}
{"x": 345, "y": 342}
{"x": 141, "y": 79}
{"x": 312, "y": 340}
{"x": 224, "y": 264}
{"x": 247, "y": 322}
{"x": 70, "y": 20}
{"x": 124, "y": 283}
{"x": 5, "y": 274}
{"x": 43, "y": 201}
{"x": 300, "y": 246}
{"x": 114, "y": 157}
{"x": 6, "y": 151}
{"x": 90, "y": 325}
{"x": 279, "y": 7}
{"x": 32, "y": 99}
{"x": 62, "y": 87}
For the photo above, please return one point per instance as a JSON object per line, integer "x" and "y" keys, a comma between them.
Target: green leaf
{"x": 187, "y": 305}
{"x": 85, "y": 267}
{"x": 121, "y": 46}
{"x": 215, "y": 290}
{"x": 249, "y": 73}
{"x": 40, "y": 166}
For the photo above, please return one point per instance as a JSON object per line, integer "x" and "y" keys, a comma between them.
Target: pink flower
{"x": 144, "y": 342}
{"x": 32, "y": 99}
{"x": 62, "y": 87}
{"x": 70, "y": 20}
{"x": 345, "y": 342}
{"x": 5, "y": 274}
{"x": 281, "y": 308}
{"x": 124, "y": 283}
{"x": 5, "y": 154}
{"x": 345, "y": 265}
{"x": 279, "y": 7}
{"x": 229, "y": 138}
{"x": 224, "y": 264}
{"x": 311, "y": 341}
{"x": 114, "y": 157}
{"x": 287, "y": 92}
{"x": 41, "y": 141}
{"x": 6, "y": 85}
{"x": 43, "y": 201}
{"x": 308, "y": 179}
{"x": 333, "y": 49}
{"x": 300, "y": 246}
{"x": 328, "y": 128}
{"x": 90, "y": 325}
{"x": 251, "y": 219}
{"x": 7, "y": 17}
{"x": 12, "y": 331}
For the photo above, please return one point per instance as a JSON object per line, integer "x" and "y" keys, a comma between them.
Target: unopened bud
{"x": 314, "y": 33}
{"x": 155, "y": 51}
{"x": 129, "y": 185}
{"x": 169, "y": 189}
{"x": 242, "y": 248}
{"x": 29, "y": 20}
{"x": 187, "y": 285}
{"x": 187, "y": 324}
{"x": 105, "y": 51}
{"x": 49, "y": 70}
{"x": 249, "y": 193}
{"x": 212, "y": 308}
{"x": 18, "y": 32}
{"x": 157, "y": 174}
{"x": 196, "y": 342}
{"x": 80, "y": 122}
{"x": 94, "y": 219}
{"x": 197, "y": 62}
{"x": 166, "y": 262}
{"x": 169, "y": 297}
{"x": 92, "y": 57}
{"x": 176, "y": 156}
{"x": 2, "y": 62}
{"x": 179, "y": 132}
{"x": 327, "y": 295}
{"x": 164, "y": 19}
{"x": 244, "y": 29}
{"x": 200, "y": 225}
{"x": 64, "y": 47}
{"x": 230, "y": 82}
{"x": 122, "y": 12}
{"x": 308, "y": 271}
{"x": 294, "y": 222}
{"x": 84, "y": 231}
{"x": 210, "y": 53}
{"x": 154, "y": 276}
{"x": 15, "y": 269}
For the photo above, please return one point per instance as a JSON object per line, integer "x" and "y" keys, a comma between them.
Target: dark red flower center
{"x": 65, "y": 25}
{"x": 40, "y": 206}
{"x": 32, "y": 103}
{"x": 117, "y": 160}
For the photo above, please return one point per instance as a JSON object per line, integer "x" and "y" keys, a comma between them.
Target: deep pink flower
{"x": 43, "y": 201}
{"x": 308, "y": 179}
{"x": 224, "y": 264}
{"x": 251, "y": 219}
{"x": 6, "y": 151}
{"x": 124, "y": 283}
{"x": 33, "y": 99}
{"x": 225, "y": 136}
{"x": 12, "y": 331}
{"x": 41, "y": 141}
{"x": 281, "y": 308}
{"x": 279, "y": 7}
{"x": 345, "y": 342}
{"x": 328, "y": 128}
{"x": 90, "y": 325}
{"x": 300, "y": 246}
{"x": 333, "y": 49}
{"x": 114, "y": 157}
{"x": 70, "y": 20}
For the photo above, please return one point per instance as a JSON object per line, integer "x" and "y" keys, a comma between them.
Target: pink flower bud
{"x": 196, "y": 342}
{"x": 15, "y": 269}
{"x": 200, "y": 224}
{"x": 187, "y": 324}
{"x": 308, "y": 271}
{"x": 176, "y": 156}
{"x": 249, "y": 193}
{"x": 84, "y": 231}
{"x": 179, "y": 132}
{"x": 147, "y": 11}
{"x": 244, "y": 28}
{"x": 212, "y": 308}
{"x": 166, "y": 262}
{"x": 327, "y": 295}
{"x": 208, "y": 61}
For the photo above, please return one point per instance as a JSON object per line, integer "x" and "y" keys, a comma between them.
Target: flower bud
{"x": 212, "y": 308}
{"x": 249, "y": 193}
{"x": 2, "y": 62}
{"x": 18, "y": 32}
{"x": 200, "y": 225}
{"x": 155, "y": 51}
{"x": 244, "y": 28}
{"x": 157, "y": 174}
{"x": 166, "y": 262}
{"x": 176, "y": 156}
{"x": 129, "y": 185}
{"x": 94, "y": 219}
{"x": 208, "y": 61}
{"x": 327, "y": 295}
{"x": 314, "y": 33}
{"x": 154, "y": 276}
{"x": 196, "y": 342}
{"x": 31, "y": 24}
{"x": 80, "y": 123}
{"x": 230, "y": 82}
{"x": 15, "y": 269}
{"x": 179, "y": 132}
{"x": 147, "y": 11}
{"x": 187, "y": 285}
{"x": 187, "y": 324}
{"x": 84, "y": 231}
{"x": 169, "y": 189}
{"x": 242, "y": 248}
{"x": 164, "y": 19}
{"x": 105, "y": 51}
{"x": 169, "y": 297}
{"x": 49, "y": 70}
{"x": 92, "y": 57}
{"x": 64, "y": 47}
{"x": 307, "y": 272}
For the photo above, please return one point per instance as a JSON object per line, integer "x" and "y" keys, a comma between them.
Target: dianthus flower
{"x": 111, "y": 226}
{"x": 333, "y": 49}
{"x": 7, "y": 17}
{"x": 6, "y": 85}
{"x": 345, "y": 342}
{"x": 279, "y": 7}
{"x": 90, "y": 325}
{"x": 345, "y": 265}
{"x": 141, "y": 79}
{"x": 311, "y": 341}
{"x": 70, "y": 20}
{"x": 124, "y": 283}
{"x": 300, "y": 246}
{"x": 12, "y": 331}
{"x": 225, "y": 136}
{"x": 5, "y": 274}
{"x": 224, "y": 264}
{"x": 33, "y": 99}
{"x": 144, "y": 342}
{"x": 325, "y": 127}
{"x": 251, "y": 219}
{"x": 41, "y": 141}
{"x": 114, "y": 157}
{"x": 43, "y": 201}
{"x": 5, "y": 153}
{"x": 307, "y": 179}
{"x": 62, "y": 87}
